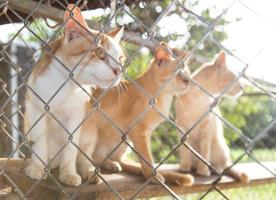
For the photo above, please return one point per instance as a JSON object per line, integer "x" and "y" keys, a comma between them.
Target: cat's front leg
{"x": 141, "y": 143}
{"x": 184, "y": 153}
{"x": 68, "y": 158}
{"x": 39, "y": 158}
{"x": 185, "y": 159}
{"x": 205, "y": 151}
{"x": 36, "y": 131}
{"x": 87, "y": 144}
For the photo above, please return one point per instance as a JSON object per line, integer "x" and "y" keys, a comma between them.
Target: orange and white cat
{"x": 207, "y": 137}
{"x": 55, "y": 103}
{"x": 132, "y": 112}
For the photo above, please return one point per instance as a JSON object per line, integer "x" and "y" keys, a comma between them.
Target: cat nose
{"x": 116, "y": 71}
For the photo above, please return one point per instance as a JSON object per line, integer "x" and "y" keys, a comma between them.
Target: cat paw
{"x": 244, "y": 178}
{"x": 157, "y": 179}
{"x": 113, "y": 166}
{"x": 203, "y": 171}
{"x": 88, "y": 174}
{"x": 70, "y": 179}
{"x": 35, "y": 171}
{"x": 95, "y": 180}
{"x": 219, "y": 169}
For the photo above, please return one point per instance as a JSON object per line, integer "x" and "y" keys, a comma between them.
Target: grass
{"x": 259, "y": 154}
{"x": 262, "y": 192}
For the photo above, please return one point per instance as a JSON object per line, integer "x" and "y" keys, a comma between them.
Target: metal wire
{"x": 149, "y": 34}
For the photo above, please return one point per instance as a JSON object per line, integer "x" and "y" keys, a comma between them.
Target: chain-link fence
{"x": 64, "y": 103}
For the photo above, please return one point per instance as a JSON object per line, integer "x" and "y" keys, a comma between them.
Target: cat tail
{"x": 178, "y": 178}
{"x": 170, "y": 177}
{"x": 238, "y": 175}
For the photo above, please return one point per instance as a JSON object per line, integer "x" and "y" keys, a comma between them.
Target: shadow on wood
{"x": 125, "y": 184}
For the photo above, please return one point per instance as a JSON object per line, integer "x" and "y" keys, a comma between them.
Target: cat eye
{"x": 100, "y": 52}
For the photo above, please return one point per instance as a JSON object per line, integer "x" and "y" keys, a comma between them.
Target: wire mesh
{"x": 144, "y": 35}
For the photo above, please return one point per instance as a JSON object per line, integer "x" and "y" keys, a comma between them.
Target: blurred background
{"x": 248, "y": 30}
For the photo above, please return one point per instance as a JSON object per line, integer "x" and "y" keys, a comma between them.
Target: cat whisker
{"x": 124, "y": 86}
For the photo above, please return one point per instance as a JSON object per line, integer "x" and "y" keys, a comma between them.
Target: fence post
{"x": 5, "y": 142}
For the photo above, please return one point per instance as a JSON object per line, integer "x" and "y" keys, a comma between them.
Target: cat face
{"x": 222, "y": 77}
{"x": 98, "y": 56}
{"x": 165, "y": 66}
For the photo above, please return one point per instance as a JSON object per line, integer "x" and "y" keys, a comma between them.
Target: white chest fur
{"x": 57, "y": 110}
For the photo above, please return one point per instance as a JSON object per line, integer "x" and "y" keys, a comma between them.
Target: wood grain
{"x": 126, "y": 184}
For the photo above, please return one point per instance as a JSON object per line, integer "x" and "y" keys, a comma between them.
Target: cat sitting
{"x": 207, "y": 137}
{"x": 124, "y": 108}
{"x": 55, "y": 103}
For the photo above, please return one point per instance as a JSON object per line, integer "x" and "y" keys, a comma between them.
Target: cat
{"x": 207, "y": 137}
{"x": 55, "y": 81}
{"x": 124, "y": 108}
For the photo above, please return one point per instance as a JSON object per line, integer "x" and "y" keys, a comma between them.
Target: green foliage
{"x": 138, "y": 63}
{"x": 251, "y": 114}
{"x": 263, "y": 154}
{"x": 166, "y": 137}
{"x": 41, "y": 30}
{"x": 261, "y": 192}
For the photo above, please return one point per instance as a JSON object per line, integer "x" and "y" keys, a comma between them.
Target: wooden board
{"x": 127, "y": 185}
{"x": 5, "y": 189}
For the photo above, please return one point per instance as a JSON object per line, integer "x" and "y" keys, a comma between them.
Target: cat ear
{"x": 162, "y": 52}
{"x": 220, "y": 61}
{"x": 117, "y": 33}
{"x": 73, "y": 29}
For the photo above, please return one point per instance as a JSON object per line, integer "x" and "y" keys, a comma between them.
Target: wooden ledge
{"x": 5, "y": 189}
{"x": 127, "y": 184}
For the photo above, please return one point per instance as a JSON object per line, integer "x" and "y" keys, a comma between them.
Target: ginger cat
{"x": 124, "y": 108}
{"x": 207, "y": 137}
{"x": 53, "y": 116}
